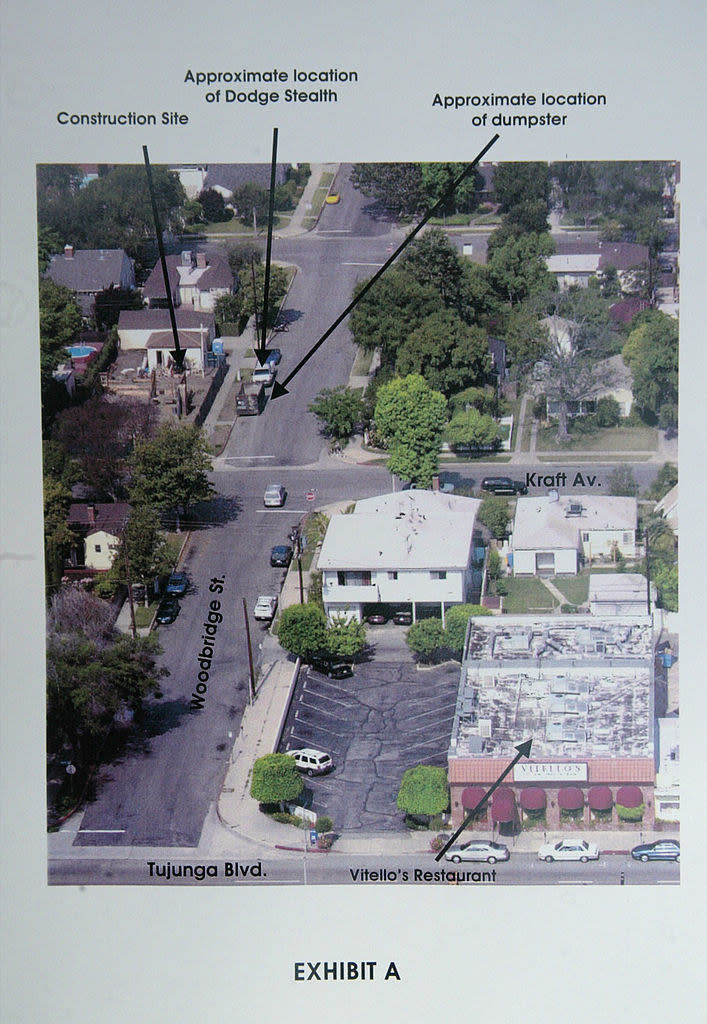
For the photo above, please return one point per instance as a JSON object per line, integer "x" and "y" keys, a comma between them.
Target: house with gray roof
{"x": 90, "y": 271}
{"x": 196, "y": 281}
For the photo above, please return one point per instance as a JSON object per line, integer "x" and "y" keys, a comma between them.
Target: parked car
{"x": 265, "y": 608}
{"x": 503, "y": 485}
{"x": 569, "y": 849}
{"x": 273, "y": 357}
{"x": 333, "y": 198}
{"x": 478, "y": 849}
{"x": 167, "y": 611}
{"x": 313, "y": 762}
{"x": 281, "y": 555}
{"x": 177, "y": 584}
{"x": 264, "y": 374}
{"x": 662, "y": 849}
{"x": 376, "y": 618}
{"x": 335, "y": 668}
{"x": 275, "y": 496}
{"x": 402, "y": 618}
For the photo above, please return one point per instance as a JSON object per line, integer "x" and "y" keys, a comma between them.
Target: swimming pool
{"x": 80, "y": 351}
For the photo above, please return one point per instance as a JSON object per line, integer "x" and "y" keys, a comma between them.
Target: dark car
{"x": 662, "y": 849}
{"x": 376, "y": 619}
{"x": 273, "y": 357}
{"x": 281, "y": 555}
{"x": 168, "y": 610}
{"x": 177, "y": 584}
{"x": 335, "y": 668}
{"x": 503, "y": 485}
{"x": 402, "y": 618}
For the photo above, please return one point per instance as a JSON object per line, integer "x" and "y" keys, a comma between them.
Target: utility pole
{"x": 130, "y": 588}
{"x": 250, "y": 653}
{"x": 296, "y": 538}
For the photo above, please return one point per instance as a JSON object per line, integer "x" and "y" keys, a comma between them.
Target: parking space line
{"x": 341, "y": 703}
{"x": 320, "y": 711}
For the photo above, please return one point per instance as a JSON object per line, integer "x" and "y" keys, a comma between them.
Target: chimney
{"x": 68, "y": 252}
{"x": 91, "y": 512}
{"x": 435, "y": 483}
{"x": 201, "y": 260}
{"x": 186, "y": 258}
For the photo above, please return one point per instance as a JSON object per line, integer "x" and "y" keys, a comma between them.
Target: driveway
{"x": 389, "y": 717}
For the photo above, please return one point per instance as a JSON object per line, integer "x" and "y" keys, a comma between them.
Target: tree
{"x": 241, "y": 256}
{"x": 437, "y": 180}
{"x": 58, "y": 536}
{"x": 578, "y": 185}
{"x": 72, "y": 608}
{"x": 608, "y": 412}
{"x": 424, "y": 790}
{"x": 213, "y": 206}
{"x": 109, "y": 302}
{"x": 433, "y": 260}
{"x": 425, "y": 638}
{"x": 478, "y": 302}
{"x": 149, "y": 554}
{"x": 495, "y": 513}
{"x": 457, "y": 619}
{"x": 517, "y": 268}
{"x": 345, "y": 639}
{"x": 469, "y": 428}
{"x": 516, "y": 183}
{"x": 622, "y": 482}
{"x": 171, "y": 471}
{"x": 252, "y": 203}
{"x": 526, "y": 339}
{"x": 449, "y": 354}
{"x": 227, "y": 309}
{"x": 398, "y": 187}
{"x": 666, "y": 579}
{"x": 275, "y": 780}
{"x": 339, "y": 410}
{"x": 89, "y": 682}
{"x": 665, "y": 480}
{"x": 251, "y": 300}
{"x": 48, "y": 243}
{"x": 410, "y": 417}
{"x": 302, "y": 630}
{"x": 651, "y": 353}
{"x": 385, "y": 316}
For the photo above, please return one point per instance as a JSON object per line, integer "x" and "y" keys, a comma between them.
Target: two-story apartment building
{"x": 409, "y": 549}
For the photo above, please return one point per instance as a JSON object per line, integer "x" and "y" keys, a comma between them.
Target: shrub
{"x": 608, "y": 412}
{"x": 495, "y": 513}
{"x": 438, "y": 842}
{"x": 540, "y": 408}
{"x": 494, "y": 569}
{"x": 324, "y": 823}
{"x": 568, "y": 609}
{"x": 287, "y": 819}
{"x": 325, "y": 842}
{"x": 630, "y": 813}
{"x": 425, "y": 638}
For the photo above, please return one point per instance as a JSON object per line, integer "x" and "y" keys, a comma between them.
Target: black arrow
{"x": 261, "y": 351}
{"x": 178, "y": 353}
{"x": 523, "y": 751}
{"x": 281, "y": 389}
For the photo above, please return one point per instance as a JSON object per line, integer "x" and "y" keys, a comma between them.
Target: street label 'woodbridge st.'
{"x": 214, "y": 619}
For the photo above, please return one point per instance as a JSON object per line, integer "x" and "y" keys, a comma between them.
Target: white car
{"x": 264, "y": 375}
{"x": 313, "y": 762}
{"x": 275, "y": 496}
{"x": 569, "y": 849}
{"x": 265, "y": 608}
{"x": 478, "y": 849}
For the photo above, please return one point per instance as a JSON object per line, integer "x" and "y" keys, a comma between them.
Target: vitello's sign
{"x": 550, "y": 772}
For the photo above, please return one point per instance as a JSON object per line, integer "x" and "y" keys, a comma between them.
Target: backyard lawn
{"x": 575, "y": 588}
{"x": 527, "y": 595}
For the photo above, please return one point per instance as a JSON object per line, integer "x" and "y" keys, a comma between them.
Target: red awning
{"x": 503, "y": 807}
{"x": 629, "y": 796}
{"x": 570, "y": 799}
{"x": 532, "y": 799}
{"x": 599, "y": 798}
{"x": 471, "y": 796}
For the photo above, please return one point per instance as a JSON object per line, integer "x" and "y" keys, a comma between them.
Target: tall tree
{"x": 275, "y": 780}
{"x": 411, "y": 416}
{"x": 516, "y": 183}
{"x": 424, "y": 790}
{"x": 339, "y": 410}
{"x": 449, "y": 354}
{"x": 432, "y": 260}
{"x": 148, "y": 553}
{"x": 251, "y": 201}
{"x": 438, "y": 179}
{"x": 170, "y": 472}
{"x": 399, "y": 187}
{"x": 517, "y": 268}
{"x": 651, "y": 352}
{"x": 394, "y": 306}
{"x": 302, "y": 630}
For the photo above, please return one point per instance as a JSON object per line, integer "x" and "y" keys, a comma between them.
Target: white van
{"x": 264, "y": 375}
{"x": 313, "y": 762}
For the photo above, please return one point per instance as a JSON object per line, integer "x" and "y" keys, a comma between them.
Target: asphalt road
{"x": 310, "y": 868}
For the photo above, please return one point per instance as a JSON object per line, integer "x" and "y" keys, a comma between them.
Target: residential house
{"x": 613, "y": 379}
{"x": 620, "y": 593}
{"x": 553, "y": 534}
{"x": 412, "y": 549}
{"x": 668, "y": 508}
{"x": 196, "y": 281}
{"x": 151, "y": 330}
{"x": 575, "y": 263}
{"x": 224, "y": 178}
{"x": 192, "y": 177}
{"x": 100, "y": 527}
{"x": 90, "y": 271}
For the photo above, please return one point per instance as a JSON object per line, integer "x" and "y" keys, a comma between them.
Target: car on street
{"x": 167, "y": 611}
{"x": 273, "y": 357}
{"x": 335, "y": 668}
{"x": 662, "y": 849}
{"x": 478, "y": 849}
{"x": 311, "y": 761}
{"x": 569, "y": 849}
{"x": 264, "y": 374}
{"x": 281, "y": 555}
{"x": 503, "y": 485}
{"x": 333, "y": 198}
{"x": 265, "y": 608}
{"x": 177, "y": 584}
{"x": 275, "y": 496}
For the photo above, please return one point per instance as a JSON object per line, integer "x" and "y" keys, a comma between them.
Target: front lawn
{"x": 609, "y": 439}
{"x": 575, "y": 588}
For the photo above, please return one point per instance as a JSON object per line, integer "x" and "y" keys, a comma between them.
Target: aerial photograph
{"x": 361, "y": 522}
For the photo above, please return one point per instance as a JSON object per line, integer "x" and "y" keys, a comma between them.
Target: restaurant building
{"x": 582, "y": 689}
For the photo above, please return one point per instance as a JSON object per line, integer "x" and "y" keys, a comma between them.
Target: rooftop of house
{"x": 87, "y": 270}
{"x": 617, "y": 586}
{"x": 579, "y": 687}
{"x": 93, "y": 516}
{"x": 190, "y": 270}
{"x": 159, "y": 319}
{"x": 232, "y": 176}
{"x": 622, "y": 255}
{"x": 547, "y": 521}
{"x": 414, "y": 529}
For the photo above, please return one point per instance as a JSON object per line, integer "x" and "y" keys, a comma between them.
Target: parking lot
{"x": 388, "y": 717}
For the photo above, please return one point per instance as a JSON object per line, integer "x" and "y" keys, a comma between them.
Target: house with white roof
{"x": 151, "y": 330}
{"x": 409, "y": 549}
{"x": 620, "y": 593}
{"x": 553, "y": 533}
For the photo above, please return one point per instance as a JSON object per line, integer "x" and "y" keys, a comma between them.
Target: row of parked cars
{"x": 168, "y": 609}
{"x": 570, "y": 848}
